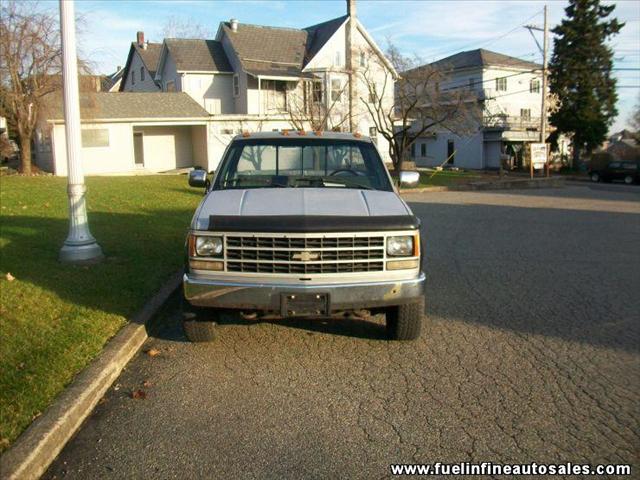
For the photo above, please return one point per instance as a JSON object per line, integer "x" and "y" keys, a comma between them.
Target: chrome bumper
{"x": 267, "y": 296}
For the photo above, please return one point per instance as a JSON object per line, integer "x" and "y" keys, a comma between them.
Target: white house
{"x": 127, "y": 133}
{"x": 510, "y": 93}
{"x": 249, "y": 78}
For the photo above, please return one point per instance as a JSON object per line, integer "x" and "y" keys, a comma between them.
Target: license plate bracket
{"x": 304, "y": 304}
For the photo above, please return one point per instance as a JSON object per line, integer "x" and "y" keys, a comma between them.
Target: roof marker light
{"x": 285, "y": 132}
{"x": 357, "y": 134}
{"x": 246, "y": 133}
{"x": 318, "y": 133}
{"x": 302, "y": 132}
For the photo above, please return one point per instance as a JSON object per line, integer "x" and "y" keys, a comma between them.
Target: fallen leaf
{"x": 153, "y": 352}
{"x": 146, "y": 384}
{"x": 139, "y": 394}
{"x": 9, "y": 277}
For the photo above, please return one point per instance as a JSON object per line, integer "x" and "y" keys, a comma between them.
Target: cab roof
{"x": 308, "y": 135}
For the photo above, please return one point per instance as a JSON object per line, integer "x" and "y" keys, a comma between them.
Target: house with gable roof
{"x": 248, "y": 78}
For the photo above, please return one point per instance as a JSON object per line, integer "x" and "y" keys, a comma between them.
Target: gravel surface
{"x": 531, "y": 352}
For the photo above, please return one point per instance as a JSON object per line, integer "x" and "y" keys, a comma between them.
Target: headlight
{"x": 208, "y": 246}
{"x": 400, "y": 246}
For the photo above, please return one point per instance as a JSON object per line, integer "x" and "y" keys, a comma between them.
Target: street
{"x": 530, "y": 353}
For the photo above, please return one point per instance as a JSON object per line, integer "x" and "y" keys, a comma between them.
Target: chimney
{"x": 140, "y": 39}
{"x": 234, "y": 25}
{"x": 351, "y": 8}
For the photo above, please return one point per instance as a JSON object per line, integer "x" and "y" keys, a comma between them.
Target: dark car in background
{"x": 624, "y": 170}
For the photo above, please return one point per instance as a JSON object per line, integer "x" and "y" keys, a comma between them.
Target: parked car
{"x": 297, "y": 225}
{"x": 627, "y": 171}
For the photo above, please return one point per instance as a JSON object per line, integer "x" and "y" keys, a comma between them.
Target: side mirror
{"x": 198, "y": 179}
{"x": 409, "y": 178}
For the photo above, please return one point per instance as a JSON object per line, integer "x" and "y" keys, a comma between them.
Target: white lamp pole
{"x": 80, "y": 246}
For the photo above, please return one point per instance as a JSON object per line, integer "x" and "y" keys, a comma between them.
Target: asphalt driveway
{"x": 531, "y": 353}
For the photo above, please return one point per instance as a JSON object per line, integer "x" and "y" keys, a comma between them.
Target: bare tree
{"x": 422, "y": 105}
{"x": 309, "y": 106}
{"x": 180, "y": 27}
{"x": 30, "y": 59}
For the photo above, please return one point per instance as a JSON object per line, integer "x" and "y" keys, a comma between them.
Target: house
{"x": 111, "y": 82}
{"x": 128, "y": 132}
{"x": 140, "y": 70}
{"x": 510, "y": 92}
{"x": 248, "y": 78}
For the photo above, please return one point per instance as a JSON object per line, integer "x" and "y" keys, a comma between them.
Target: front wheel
{"x": 404, "y": 322}
{"x": 198, "y": 323}
{"x": 595, "y": 177}
{"x": 628, "y": 179}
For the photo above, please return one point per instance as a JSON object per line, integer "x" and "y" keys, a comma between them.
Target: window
{"x": 142, "y": 74}
{"x": 236, "y": 85}
{"x": 317, "y": 93}
{"x": 423, "y": 149}
{"x": 615, "y": 165}
{"x": 337, "y": 61}
{"x": 336, "y": 90}
{"x": 413, "y": 150}
{"x": 373, "y": 134}
{"x": 363, "y": 59}
{"x": 630, "y": 166}
{"x": 274, "y": 95}
{"x": 525, "y": 113}
{"x": 133, "y": 77}
{"x": 95, "y": 137}
{"x": 501, "y": 84}
{"x": 534, "y": 86}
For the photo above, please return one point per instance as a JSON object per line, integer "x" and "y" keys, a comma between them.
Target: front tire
{"x": 595, "y": 177}
{"x": 198, "y": 323}
{"x": 628, "y": 179}
{"x": 404, "y": 322}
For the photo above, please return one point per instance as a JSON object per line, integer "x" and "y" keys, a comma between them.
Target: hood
{"x": 300, "y": 202}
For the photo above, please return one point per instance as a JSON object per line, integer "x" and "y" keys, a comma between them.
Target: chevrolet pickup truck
{"x": 296, "y": 224}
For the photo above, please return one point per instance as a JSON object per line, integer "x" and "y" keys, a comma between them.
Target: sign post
{"x": 538, "y": 156}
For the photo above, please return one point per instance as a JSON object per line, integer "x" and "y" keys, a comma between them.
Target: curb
{"x": 40, "y": 443}
{"x": 552, "y": 182}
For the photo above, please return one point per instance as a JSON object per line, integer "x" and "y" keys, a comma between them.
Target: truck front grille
{"x": 302, "y": 255}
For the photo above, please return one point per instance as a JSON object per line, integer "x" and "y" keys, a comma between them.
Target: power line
{"x": 486, "y": 42}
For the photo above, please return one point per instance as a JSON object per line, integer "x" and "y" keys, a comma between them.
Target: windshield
{"x": 300, "y": 163}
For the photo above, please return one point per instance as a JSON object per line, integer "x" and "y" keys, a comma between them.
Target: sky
{"x": 429, "y": 29}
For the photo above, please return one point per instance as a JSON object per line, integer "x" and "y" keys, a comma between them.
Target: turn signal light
{"x": 402, "y": 264}
{"x": 205, "y": 265}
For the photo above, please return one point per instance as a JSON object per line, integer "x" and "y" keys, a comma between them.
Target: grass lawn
{"x": 55, "y": 318}
{"x": 446, "y": 178}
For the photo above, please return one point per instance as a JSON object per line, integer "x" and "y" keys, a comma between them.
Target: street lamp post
{"x": 80, "y": 246}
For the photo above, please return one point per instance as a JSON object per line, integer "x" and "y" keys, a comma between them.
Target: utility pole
{"x": 543, "y": 109}
{"x": 543, "y": 106}
{"x": 80, "y": 246}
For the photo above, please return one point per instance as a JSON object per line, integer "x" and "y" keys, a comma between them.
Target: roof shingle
{"x": 198, "y": 55}
{"x": 269, "y": 50}
{"x": 482, "y": 58}
{"x": 130, "y": 105}
{"x": 149, "y": 55}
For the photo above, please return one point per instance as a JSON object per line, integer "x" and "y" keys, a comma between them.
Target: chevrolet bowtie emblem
{"x": 305, "y": 256}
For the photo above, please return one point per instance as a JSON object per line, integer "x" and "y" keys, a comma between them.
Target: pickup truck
{"x": 296, "y": 224}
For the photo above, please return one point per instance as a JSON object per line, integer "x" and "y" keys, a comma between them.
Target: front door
{"x": 138, "y": 149}
{"x": 451, "y": 152}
